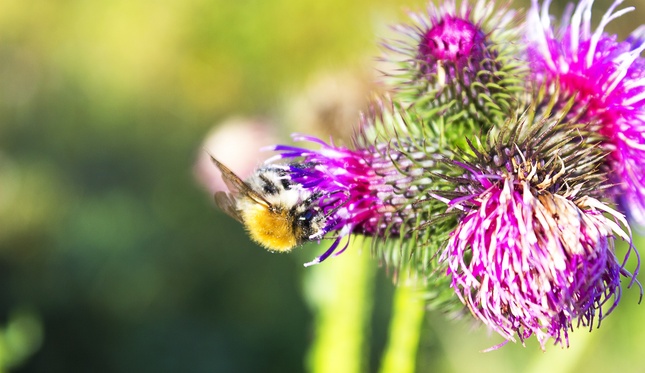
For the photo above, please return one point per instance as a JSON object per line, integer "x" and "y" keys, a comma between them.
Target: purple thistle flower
{"x": 531, "y": 264}
{"x": 608, "y": 77}
{"x": 446, "y": 40}
{"x": 457, "y": 62}
{"x": 451, "y": 39}
{"x": 533, "y": 251}
{"x": 374, "y": 189}
{"x": 348, "y": 181}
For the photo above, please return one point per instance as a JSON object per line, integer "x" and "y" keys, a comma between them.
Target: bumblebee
{"x": 277, "y": 213}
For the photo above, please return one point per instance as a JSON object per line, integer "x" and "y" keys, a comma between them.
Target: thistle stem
{"x": 341, "y": 297}
{"x": 405, "y": 328}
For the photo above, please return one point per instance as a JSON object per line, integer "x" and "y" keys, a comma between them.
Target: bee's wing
{"x": 227, "y": 203}
{"x": 237, "y": 187}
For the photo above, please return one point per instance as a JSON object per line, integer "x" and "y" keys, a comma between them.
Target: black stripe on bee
{"x": 286, "y": 183}
{"x": 268, "y": 187}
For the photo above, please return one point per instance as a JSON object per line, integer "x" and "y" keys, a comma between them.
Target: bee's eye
{"x": 307, "y": 215}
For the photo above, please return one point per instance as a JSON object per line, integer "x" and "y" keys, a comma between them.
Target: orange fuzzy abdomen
{"x": 273, "y": 230}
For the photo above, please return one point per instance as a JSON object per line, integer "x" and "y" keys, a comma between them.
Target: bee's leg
{"x": 343, "y": 200}
{"x": 329, "y": 251}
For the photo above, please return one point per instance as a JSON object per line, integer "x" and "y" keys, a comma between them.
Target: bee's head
{"x": 314, "y": 215}
{"x": 310, "y": 222}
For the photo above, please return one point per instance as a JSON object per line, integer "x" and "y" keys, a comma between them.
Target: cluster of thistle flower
{"x": 503, "y": 166}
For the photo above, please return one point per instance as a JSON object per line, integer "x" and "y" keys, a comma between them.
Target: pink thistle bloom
{"x": 608, "y": 78}
{"x": 447, "y": 40}
{"x": 452, "y": 39}
{"x": 531, "y": 265}
{"x": 533, "y": 249}
{"x": 349, "y": 186}
{"x": 458, "y": 63}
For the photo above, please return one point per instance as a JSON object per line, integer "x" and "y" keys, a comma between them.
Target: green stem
{"x": 405, "y": 329}
{"x": 340, "y": 293}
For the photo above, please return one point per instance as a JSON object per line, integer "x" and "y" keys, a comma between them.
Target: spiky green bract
{"x": 533, "y": 251}
{"x": 415, "y": 150}
{"x": 459, "y": 64}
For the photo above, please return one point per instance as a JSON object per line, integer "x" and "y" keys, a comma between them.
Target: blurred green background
{"x": 113, "y": 259}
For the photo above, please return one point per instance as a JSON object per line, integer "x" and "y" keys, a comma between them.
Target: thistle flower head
{"x": 373, "y": 189}
{"x": 609, "y": 77}
{"x": 457, "y": 62}
{"x": 533, "y": 251}
{"x": 530, "y": 264}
